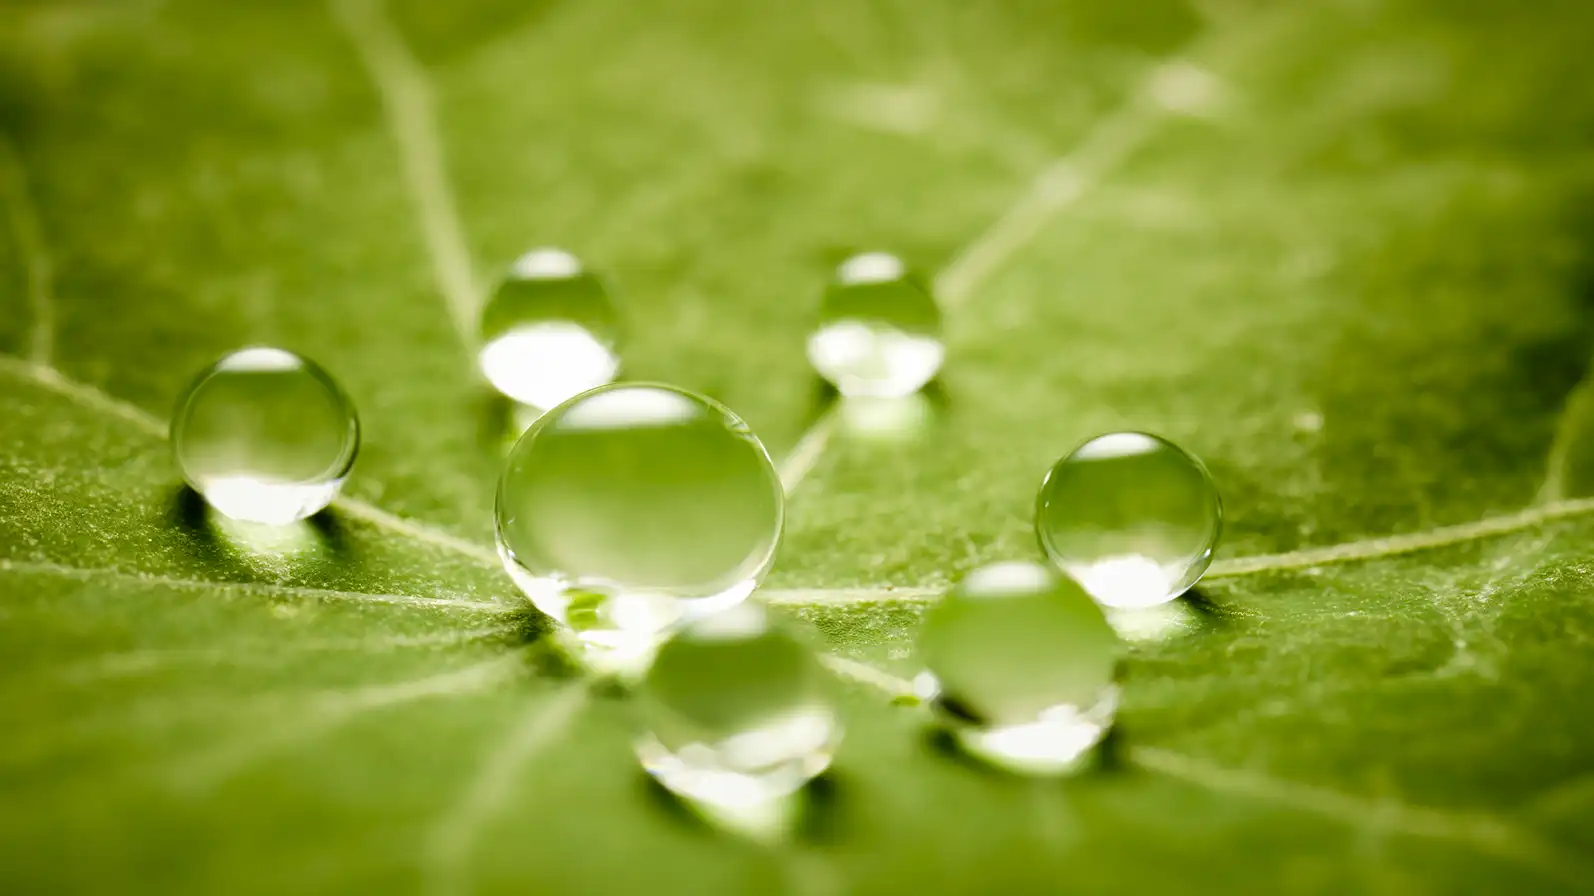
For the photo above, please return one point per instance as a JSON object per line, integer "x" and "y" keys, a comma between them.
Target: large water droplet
{"x": 633, "y": 507}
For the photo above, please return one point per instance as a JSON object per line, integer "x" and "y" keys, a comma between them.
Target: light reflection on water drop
{"x": 543, "y": 364}
{"x": 887, "y": 420}
{"x": 252, "y": 499}
{"x": 1129, "y": 581}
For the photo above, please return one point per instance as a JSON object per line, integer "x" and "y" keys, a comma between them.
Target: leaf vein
{"x": 135, "y": 662}
{"x": 334, "y": 710}
{"x": 1404, "y": 543}
{"x": 1306, "y": 558}
{"x": 38, "y": 265}
{"x": 407, "y": 101}
{"x": 95, "y": 399}
{"x": 93, "y": 574}
{"x": 1483, "y": 832}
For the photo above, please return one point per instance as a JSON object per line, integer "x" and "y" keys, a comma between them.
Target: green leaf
{"x": 1338, "y": 251}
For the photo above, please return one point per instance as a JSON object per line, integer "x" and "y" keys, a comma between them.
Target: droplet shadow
{"x": 1210, "y": 611}
{"x": 254, "y": 548}
{"x": 537, "y": 636}
{"x": 810, "y": 817}
{"x": 1106, "y": 758}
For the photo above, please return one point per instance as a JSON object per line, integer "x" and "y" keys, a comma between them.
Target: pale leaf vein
{"x": 407, "y": 99}
{"x": 448, "y": 845}
{"x": 266, "y": 589}
{"x": 38, "y": 264}
{"x": 90, "y": 397}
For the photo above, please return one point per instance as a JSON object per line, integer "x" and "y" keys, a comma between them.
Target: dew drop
{"x": 736, "y": 711}
{"x": 549, "y": 331}
{"x": 634, "y": 507}
{"x": 1133, "y": 517}
{"x": 1022, "y": 666}
{"x": 879, "y": 332}
{"x": 265, "y": 436}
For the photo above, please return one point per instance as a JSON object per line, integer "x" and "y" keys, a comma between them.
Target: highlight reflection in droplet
{"x": 887, "y": 420}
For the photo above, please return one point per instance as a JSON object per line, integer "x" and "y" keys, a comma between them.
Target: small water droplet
{"x": 265, "y": 436}
{"x": 1022, "y": 665}
{"x": 634, "y": 507}
{"x": 549, "y": 331}
{"x": 879, "y": 332}
{"x": 736, "y": 711}
{"x": 1132, "y": 517}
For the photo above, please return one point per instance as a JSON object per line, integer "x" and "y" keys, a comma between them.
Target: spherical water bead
{"x": 736, "y": 711}
{"x": 1131, "y": 516}
{"x": 879, "y": 331}
{"x": 549, "y": 331}
{"x": 1024, "y": 667}
{"x": 634, "y": 506}
{"x": 265, "y": 436}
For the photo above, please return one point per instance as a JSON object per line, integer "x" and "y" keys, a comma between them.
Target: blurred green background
{"x": 1339, "y": 250}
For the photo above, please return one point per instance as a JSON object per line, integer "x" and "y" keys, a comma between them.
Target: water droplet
{"x": 265, "y": 436}
{"x": 1022, "y": 664}
{"x": 550, "y": 331}
{"x": 633, "y": 507}
{"x": 1134, "y": 518}
{"x": 736, "y": 711}
{"x": 879, "y": 330}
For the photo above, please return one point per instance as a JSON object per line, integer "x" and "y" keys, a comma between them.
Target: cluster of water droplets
{"x": 642, "y": 517}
